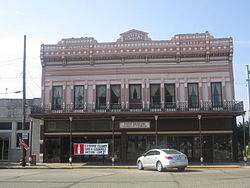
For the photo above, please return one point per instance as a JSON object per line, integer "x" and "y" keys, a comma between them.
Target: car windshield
{"x": 171, "y": 151}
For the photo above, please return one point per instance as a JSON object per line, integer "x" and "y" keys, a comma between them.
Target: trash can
{"x": 32, "y": 159}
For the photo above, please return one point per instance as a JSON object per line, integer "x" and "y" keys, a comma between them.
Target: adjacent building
{"x": 11, "y": 116}
{"x": 137, "y": 93}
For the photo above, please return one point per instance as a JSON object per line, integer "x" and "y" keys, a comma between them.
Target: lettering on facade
{"x": 133, "y": 37}
{"x": 134, "y": 125}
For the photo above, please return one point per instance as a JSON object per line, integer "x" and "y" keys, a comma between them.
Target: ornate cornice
{"x": 134, "y": 44}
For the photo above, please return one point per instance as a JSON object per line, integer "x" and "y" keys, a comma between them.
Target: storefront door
{"x": 207, "y": 149}
{"x": 4, "y": 149}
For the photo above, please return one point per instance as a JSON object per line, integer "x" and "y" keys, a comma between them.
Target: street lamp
{"x": 201, "y": 141}
{"x": 70, "y": 140}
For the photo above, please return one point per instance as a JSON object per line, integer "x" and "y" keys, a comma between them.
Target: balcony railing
{"x": 139, "y": 107}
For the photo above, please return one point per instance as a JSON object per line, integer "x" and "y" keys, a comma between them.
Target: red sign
{"x": 78, "y": 149}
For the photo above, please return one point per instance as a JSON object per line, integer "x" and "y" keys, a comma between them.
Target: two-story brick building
{"x": 138, "y": 93}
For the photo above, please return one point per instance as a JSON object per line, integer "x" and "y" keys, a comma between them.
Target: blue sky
{"x": 49, "y": 21}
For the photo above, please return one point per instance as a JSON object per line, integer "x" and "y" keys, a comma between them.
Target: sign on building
{"x": 134, "y": 125}
{"x": 25, "y": 136}
{"x": 90, "y": 149}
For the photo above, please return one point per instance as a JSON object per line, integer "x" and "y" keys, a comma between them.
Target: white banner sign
{"x": 25, "y": 136}
{"x": 135, "y": 125}
{"x": 91, "y": 149}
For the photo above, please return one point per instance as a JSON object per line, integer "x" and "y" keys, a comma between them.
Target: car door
{"x": 147, "y": 159}
{"x": 155, "y": 158}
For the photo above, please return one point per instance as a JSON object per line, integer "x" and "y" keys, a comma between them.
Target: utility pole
{"x": 248, "y": 84}
{"x": 24, "y": 100}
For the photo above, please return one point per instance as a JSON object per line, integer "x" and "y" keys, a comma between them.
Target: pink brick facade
{"x": 181, "y": 91}
{"x": 136, "y": 59}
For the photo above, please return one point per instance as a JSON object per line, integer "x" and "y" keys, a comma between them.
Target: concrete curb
{"x": 110, "y": 167}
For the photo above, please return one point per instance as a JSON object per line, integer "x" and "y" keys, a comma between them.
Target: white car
{"x": 161, "y": 159}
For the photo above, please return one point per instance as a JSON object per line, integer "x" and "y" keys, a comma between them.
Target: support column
{"x": 162, "y": 95}
{"x": 209, "y": 91}
{"x": 147, "y": 91}
{"x": 224, "y": 92}
{"x": 177, "y": 92}
{"x": 72, "y": 95}
{"x": 201, "y": 97}
{"x": 50, "y": 97}
{"x": 143, "y": 94}
{"x": 113, "y": 140}
{"x": 201, "y": 140}
{"x": 42, "y": 138}
{"x": 156, "y": 130}
{"x": 64, "y": 105}
{"x": 70, "y": 140}
{"x": 123, "y": 95}
{"x": 126, "y": 92}
{"x": 94, "y": 96}
{"x": 85, "y": 100}
{"x": 186, "y": 93}
{"x": 108, "y": 99}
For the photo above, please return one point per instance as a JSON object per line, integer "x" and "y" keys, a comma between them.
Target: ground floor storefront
{"x": 214, "y": 138}
{"x": 127, "y": 148}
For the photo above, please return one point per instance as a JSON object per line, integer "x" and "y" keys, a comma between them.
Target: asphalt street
{"x": 131, "y": 178}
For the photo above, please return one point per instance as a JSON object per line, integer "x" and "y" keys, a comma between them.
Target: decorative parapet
{"x": 137, "y": 43}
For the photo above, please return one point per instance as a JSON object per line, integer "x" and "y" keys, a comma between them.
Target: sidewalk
{"x": 11, "y": 165}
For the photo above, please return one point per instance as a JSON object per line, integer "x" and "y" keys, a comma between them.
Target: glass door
{"x": 4, "y": 149}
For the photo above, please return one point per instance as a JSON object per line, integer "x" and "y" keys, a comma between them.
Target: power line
{"x": 33, "y": 80}
{"x": 30, "y": 91}
{"x": 6, "y": 61}
{"x": 4, "y": 65}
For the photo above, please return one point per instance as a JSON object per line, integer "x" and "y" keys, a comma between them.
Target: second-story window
{"x": 78, "y": 97}
{"x": 155, "y": 95}
{"x": 216, "y": 94}
{"x": 135, "y": 93}
{"x": 170, "y": 95}
{"x": 115, "y": 95}
{"x": 57, "y": 97}
{"x": 101, "y": 96}
{"x": 20, "y": 126}
{"x": 193, "y": 95}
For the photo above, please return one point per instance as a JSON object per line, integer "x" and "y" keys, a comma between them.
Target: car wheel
{"x": 159, "y": 167}
{"x": 139, "y": 165}
{"x": 181, "y": 169}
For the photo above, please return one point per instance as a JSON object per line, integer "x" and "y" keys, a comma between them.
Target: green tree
{"x": 240, "y": 130}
